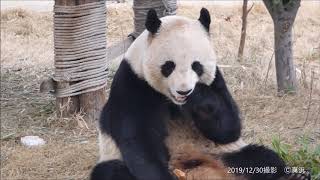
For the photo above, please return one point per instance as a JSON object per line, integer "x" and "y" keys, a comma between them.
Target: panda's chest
{"x": 184, "y": 136}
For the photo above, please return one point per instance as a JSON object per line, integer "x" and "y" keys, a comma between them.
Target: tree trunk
{"x": 89, "y": 103}
{"x": 141, "y": 8}
{"x": 286, "y": 77}
{"x": 66, "y": 106}
{"x": 243, "y": 30}
{"x": 283, "y": 14}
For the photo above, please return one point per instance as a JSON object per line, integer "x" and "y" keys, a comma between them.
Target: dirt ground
{"x": 71, "y": 149}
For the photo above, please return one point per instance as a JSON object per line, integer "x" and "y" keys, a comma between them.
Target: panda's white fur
{"x": 108, "y": 150}
{"x": 182, "y": 135}
{"x": 180, "y": 40}
{"x": 183, "y": 41}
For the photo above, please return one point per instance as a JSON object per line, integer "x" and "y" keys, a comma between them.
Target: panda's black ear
{"x": 205, "y": 18}
{"x": 153, "y": 22}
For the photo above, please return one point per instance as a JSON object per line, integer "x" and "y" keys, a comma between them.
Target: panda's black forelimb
{"x": 253, "y": 160}
{"x": 111, "y": 170}
{"x": 133, "y": 117}
{"x": 215, "y": 112}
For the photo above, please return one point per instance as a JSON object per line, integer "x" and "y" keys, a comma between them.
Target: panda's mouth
{"x": 178, "y": 100}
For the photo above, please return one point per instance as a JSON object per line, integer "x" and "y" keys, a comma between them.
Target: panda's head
{"x": 174, "y": 53}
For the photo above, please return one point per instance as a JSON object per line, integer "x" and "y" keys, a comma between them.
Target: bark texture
{"x": 283, "y": 13}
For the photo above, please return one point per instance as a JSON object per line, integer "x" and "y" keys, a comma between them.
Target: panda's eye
{"x": 167, "y": 68}
{"x": 197, "y": 67}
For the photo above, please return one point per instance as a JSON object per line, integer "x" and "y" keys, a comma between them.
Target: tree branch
{"x": 293, "y": 7}
{"x": 250, "y": 8}
{"x": 277, "y": 7}
{"x": 268, "y": 4}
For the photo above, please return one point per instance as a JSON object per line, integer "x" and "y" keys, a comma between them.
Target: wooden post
{"x": 89, "y": 103}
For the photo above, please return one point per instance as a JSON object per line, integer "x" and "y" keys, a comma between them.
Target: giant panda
{"x": 168, "y": 97}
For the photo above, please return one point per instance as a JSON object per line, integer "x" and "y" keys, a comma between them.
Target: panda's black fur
{"x": 205, "y": 18}
{"x": 136, "y": 115}
{"x": 215, "y": 102}
{"x": 133, "y": 118}
{"x": 254, "y": 156}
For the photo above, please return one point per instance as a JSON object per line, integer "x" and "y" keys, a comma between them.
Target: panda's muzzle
{"x": 181, "y": 96}
{"x": 184, "y": 93}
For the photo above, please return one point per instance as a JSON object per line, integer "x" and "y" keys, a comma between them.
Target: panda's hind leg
{"x": 111, "y": 170}
{"x": 110, "y": 165}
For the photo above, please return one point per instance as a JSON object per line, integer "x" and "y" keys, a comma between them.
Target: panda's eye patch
{"x": 197, "y": 67}
{"x": 167, "y": 68}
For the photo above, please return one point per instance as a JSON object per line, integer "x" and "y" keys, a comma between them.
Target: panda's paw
{"x": 205, "y": 110}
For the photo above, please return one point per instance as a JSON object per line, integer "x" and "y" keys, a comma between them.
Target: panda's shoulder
{"x": 129, "y": 94}
{"x": 128, "y": 90}
{"x": 126, "y": 79}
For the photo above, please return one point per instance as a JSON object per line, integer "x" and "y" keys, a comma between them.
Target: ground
{"x": 71, "y": 149}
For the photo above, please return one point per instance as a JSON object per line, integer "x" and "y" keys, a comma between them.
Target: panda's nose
{"x": 184, "y": 93}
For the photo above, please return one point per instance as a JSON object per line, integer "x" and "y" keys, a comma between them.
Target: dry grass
{"x": 27, "y": 57}
{"x": 52, "y": 161}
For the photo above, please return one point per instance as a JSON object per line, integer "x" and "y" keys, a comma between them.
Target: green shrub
{"x": 302, "y": 156}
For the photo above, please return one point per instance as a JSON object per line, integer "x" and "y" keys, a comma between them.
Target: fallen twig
{"x": 268, "y": 70}
{"x": 310, "y": 98}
